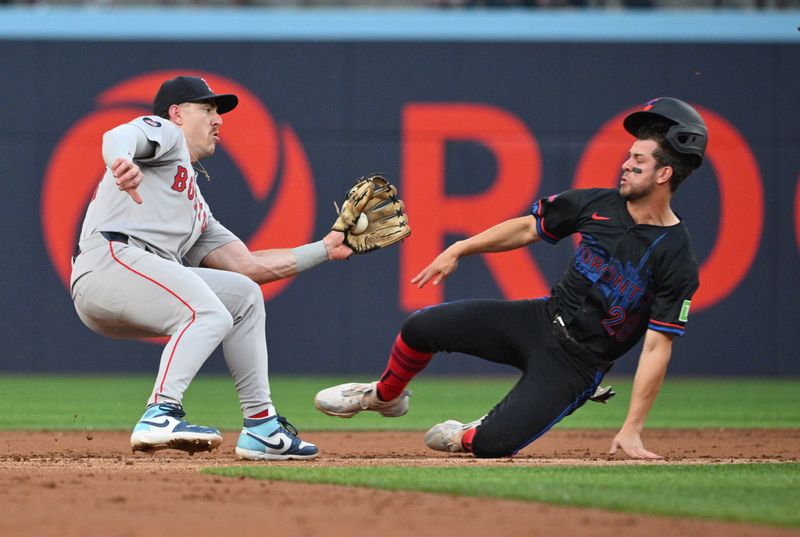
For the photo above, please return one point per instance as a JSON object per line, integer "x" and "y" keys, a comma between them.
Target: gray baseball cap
{"x": 190, "y": 89}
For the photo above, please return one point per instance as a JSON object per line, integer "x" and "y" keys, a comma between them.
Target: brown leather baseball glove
{"x": 372, "y": 216}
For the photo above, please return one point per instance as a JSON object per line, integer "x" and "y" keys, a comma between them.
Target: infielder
{"x": 633, "y": 275}
{"x": 128, "y": 281}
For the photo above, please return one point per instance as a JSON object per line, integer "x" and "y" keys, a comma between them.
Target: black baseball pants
{"x": 554, "y": 383}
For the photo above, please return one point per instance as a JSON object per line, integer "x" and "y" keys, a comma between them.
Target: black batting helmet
{"x": 687, "y": 135}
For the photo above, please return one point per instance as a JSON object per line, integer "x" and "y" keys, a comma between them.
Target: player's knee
{"x": 253, "y": 299}
{"x": 416, "y": 332}
{"x": 216, "y": 320}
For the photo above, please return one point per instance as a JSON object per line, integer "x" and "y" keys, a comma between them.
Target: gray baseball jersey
{"x": 174, "y": 214}
{"x": 132, "y": 283}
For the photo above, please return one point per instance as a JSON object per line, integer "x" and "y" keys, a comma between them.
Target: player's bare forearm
{"x": 262, "y": 266}
{"x": 650, "y": 373}
{"x": 647, "y": 383}
{"x": 508, "y": 235}
{"x": 272, "y": 265}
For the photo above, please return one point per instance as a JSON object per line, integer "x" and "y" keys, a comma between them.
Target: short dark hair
{"x": 682, "y": 165}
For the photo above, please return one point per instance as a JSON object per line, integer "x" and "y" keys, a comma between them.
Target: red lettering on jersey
{"x": 616, "y": 317}
{"x": 608, "y": 275}
{"x": 426, "y": 130}
{"x": 627, "y": 328}
{"x": 739, "y": 183}
{"x": 618, "y": 324}
{"x": 179, "y": 182}
{"x": 621, "y": 284}
{"x": 191, "y": 191}
{"x": 635, "y": 290}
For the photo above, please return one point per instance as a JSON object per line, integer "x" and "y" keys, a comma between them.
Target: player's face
{"x": 640, "y": 183}
{"x": 201, "y": 124}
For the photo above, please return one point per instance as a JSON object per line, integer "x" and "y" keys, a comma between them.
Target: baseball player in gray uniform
{"x": 129, "y": 279}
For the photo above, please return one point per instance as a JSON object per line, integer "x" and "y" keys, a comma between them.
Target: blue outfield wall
{"x": 476, "y": 113}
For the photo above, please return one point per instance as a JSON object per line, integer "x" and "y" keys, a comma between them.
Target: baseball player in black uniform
{"x": 633, "y": 275}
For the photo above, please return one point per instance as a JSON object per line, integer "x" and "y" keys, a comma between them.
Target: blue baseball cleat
{"x": 162, "y": 427}
{"x": 272, "y": 439}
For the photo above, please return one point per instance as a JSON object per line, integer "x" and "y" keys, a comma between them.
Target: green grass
{"x": 764, "y": 493}
{"x": 761, "y": 493}
{"x": 110, "y": 402}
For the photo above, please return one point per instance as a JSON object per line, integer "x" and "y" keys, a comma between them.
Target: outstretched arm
{"x": 509, "y": 235}
{"x": 264, "y": 266}
{"x": 646, "y": 384}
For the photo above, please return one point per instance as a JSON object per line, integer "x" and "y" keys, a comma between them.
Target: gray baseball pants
{"x": 123, "y": 291}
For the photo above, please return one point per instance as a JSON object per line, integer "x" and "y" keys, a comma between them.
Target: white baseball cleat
{"x": 347, "y": 400}
{"x": 447, "y": 436}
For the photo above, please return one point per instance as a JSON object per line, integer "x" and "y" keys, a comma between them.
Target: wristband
{"x": 310, "y": 255}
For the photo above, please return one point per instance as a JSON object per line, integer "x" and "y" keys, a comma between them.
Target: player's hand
{"x": 631, "y": 443}
{"x": 128, "y": 176}
{"x": 443, "y": 266}
{"x": 337, "y": 249}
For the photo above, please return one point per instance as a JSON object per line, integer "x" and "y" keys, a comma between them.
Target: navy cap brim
{"x": 225, "y": 101}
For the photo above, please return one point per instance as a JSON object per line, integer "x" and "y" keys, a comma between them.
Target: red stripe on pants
{"x": 170, "y": 291}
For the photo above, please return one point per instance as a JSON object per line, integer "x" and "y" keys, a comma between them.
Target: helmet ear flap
{"x": 688, "y": 140}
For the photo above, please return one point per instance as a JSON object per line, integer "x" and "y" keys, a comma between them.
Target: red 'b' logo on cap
{"x": 250, "y": 137}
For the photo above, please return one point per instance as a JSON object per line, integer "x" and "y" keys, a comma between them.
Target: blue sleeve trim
{"x": 674, "y": 331}
{"x": 537, "y": 208}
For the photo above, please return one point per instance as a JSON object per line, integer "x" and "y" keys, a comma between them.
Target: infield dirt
{"x": 89, "y": 483}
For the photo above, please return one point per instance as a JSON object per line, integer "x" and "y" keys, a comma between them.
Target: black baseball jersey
{"x": 624, "y": 278}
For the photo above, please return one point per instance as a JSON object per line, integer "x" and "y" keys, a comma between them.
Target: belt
{"x": 113, "y": 236}
{"x": 575, "y": 347}
{"x": 94, "y": 241}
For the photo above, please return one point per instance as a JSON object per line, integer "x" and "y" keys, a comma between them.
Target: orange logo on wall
{"x": 427, "y": 127}
{"x": 251, "y": 138}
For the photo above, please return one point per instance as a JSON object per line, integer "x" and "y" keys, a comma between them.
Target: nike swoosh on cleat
{"x": 154, "y": 424}
{"x": 278, "y": 447}
{"x": 596, "y": 216}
